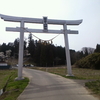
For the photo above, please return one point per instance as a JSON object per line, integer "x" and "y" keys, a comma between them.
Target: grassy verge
{"x": 13, "y": 88}
{"x": 94, "y": 86}
{"x": 79, "y": 73}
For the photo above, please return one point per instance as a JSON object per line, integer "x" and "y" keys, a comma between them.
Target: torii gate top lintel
{"x": 40, "y": 21}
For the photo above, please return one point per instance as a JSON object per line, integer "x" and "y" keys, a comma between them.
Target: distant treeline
{"x": 46, "y": 54}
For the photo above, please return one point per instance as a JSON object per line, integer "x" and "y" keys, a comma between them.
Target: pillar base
{"x": 69, "y": 75}
{"x": 19, "y": 78}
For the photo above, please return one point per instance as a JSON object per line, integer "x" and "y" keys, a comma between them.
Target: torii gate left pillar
{"x": 21, "y": 45}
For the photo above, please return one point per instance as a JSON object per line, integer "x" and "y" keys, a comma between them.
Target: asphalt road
{"x": 47, "y": 86}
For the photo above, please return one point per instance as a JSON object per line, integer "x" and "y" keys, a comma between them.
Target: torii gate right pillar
{"x": 69, "y": 70}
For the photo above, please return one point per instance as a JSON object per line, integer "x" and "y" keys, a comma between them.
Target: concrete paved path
{"x": 47, "y": 86}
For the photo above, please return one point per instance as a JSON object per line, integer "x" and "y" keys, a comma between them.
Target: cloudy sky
{"x": 88, "y": 10}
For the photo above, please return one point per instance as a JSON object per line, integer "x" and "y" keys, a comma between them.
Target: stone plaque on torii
{"x": 45, "y": 23}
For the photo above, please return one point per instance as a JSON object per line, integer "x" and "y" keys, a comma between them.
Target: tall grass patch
{"x": 13, "y": 88}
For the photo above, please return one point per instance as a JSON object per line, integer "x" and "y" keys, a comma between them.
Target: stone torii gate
{"x": 45, "y": 23}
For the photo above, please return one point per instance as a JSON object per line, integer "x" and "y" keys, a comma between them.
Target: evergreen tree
{"x": 97, "y": 48}
{"x": 60, "y": 57}
{"x": 37, "y": 53}
{"x": 43, "y": 56}
{"x": 31, "y": 45}
{"x": 16, "y": 47}
{"x": 51, "y": 55}
{"x": 73, "y": 56}
{"x": 4, "y": 48}
{"x": 11, "y": 47}
{"x": 79, "y": 55}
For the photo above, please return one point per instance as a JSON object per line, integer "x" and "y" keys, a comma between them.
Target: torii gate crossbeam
{"x": 17, "y": 29}
{"x": 23, "y": 20}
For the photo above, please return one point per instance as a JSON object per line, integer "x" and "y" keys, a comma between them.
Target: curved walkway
{"x": 47, "y": 86}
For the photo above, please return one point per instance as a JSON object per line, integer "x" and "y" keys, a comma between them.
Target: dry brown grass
{"x": 79, "y": 73}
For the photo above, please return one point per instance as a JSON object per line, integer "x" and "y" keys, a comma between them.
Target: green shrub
{"x": 90, "y": 61}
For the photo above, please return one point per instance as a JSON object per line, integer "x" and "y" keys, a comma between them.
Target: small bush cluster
{"x": 91, "y": 61}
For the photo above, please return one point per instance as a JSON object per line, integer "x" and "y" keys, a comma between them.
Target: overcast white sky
{"x": 88, "y": 10}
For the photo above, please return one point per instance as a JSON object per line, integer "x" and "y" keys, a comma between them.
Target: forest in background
{"x": 46, "y": 54}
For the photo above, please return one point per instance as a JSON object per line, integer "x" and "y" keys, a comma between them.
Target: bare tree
{"x": 90, "y": 50}
{"x": 87, "y": 50}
